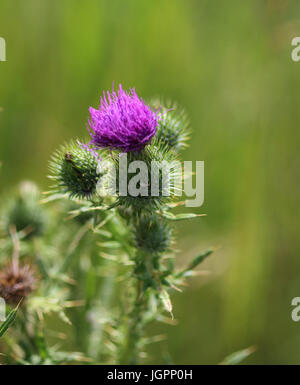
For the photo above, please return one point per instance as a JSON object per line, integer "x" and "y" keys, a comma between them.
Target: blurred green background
{"x": 229, "y": 63}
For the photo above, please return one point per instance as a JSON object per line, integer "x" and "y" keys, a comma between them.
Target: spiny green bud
{"x": 25, "y": 212}
{"x": 173, "y": 126}
{"x": 74, "y": 169}
{"x": 155, "y": 183}
{"x": 153, "y": 234}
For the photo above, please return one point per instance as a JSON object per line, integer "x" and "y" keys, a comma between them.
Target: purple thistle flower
{"x": 123, "y": 121}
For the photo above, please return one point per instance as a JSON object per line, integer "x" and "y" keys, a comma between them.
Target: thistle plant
{"x": 22, "y": 211}
{"x": 110, "y": 255}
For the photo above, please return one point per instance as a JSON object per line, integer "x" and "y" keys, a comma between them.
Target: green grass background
{"x": 229, "y": 63}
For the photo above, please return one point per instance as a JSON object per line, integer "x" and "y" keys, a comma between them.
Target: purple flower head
{"x": 123, "y": 121}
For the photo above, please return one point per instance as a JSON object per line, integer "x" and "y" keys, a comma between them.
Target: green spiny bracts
{"x": 173, "y": 126}
{"x": 68, "y": 207}
{"x": 152, "y": 234}
{"x": 160, "y": 183}
{"x": 125, "y": 213}
{"x": 24, "y": 211}
{"x": 74, "y": 169}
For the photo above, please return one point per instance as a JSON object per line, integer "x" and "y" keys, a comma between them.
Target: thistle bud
{"x": 16, "y": 283}
{"x": 173, "y": 125}
{"x": 153, "y": 234}
{"x": 25, "y": 212}
{"x": 152, "y": 178}
{"x": 74, "y": 169}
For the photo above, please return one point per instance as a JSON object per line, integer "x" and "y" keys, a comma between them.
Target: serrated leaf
{"x": 181, "y": 217}
{"x": 195, "y": 262}
{"x": 104, "y": 233}
{"x": 166, "y": 301}
{"x": 109, "y": 244}
{"x": 48, "y": 305}
{"x": 199, "y": 259}
{"x": 9, "y": 320}
{"x": 52, "y": 197}
{"x": 187, "y": 274}
{"x": 67, "y": 357}
{"x": 238, "y": 357}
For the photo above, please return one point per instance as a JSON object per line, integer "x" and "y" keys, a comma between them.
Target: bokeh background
{"x": 229, "y": 63}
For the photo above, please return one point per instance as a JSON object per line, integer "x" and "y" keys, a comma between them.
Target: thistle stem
{"x": 130, "y": 353}
{"x": 73, "y": 247}
{"x": 16, "y": 251}
{"x": 140, "y": 307}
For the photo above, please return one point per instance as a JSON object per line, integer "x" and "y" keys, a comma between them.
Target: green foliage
{"x": 46, "y": 305}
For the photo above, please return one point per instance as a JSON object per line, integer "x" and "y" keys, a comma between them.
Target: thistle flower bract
{"x": 16, "y": 283}
{"x": 74, "y": 169}
{"x": 153, "y": 234}
{"x": 168, "y": 175}
{"x": 173, "y": 127}
{"x": 123, "y": 121}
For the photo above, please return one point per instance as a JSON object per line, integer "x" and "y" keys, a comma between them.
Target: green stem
{"x": 130, "y": 352}
{"x": 73, "y": 247}
{"x": 145, "y": 276}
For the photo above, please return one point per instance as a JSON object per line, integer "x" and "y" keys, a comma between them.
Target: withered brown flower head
{"x": 16, "y": 283}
